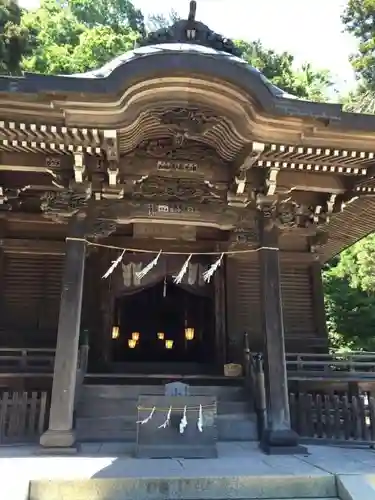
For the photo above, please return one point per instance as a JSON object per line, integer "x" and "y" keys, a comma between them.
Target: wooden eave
{"x": 317, "y": 146}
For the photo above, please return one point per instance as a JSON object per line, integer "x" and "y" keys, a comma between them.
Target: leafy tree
{"x": 278, "y": 68}
{"x": 350, "y": 313}
{"x": 114, "y": 14}
{"x": 359, "y": 20}
{"x": 15, "y": 40}
{"x": 350, "y": 296}
{"x": 67, "y": 43}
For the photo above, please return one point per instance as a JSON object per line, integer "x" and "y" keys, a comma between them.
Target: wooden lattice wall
{"x": 303, "y": 332}
{"x": 31, "y": 289}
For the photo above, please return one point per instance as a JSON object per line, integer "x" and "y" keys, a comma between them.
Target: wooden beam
{"x": 309, "y": 181}
{"x": 25, "y": 246}
{"x": 26, "y": 217}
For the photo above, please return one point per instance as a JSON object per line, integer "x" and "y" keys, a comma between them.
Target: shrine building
{"x": 162, "y": 206}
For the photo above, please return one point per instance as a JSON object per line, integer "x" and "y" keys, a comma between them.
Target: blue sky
{"x": 310, "y": 29}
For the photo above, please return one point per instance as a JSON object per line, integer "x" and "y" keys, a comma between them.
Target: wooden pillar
{"x": 60, "y": 433}
{"x": 278, "y": 436}
{"x": 318, "y": 302}
{"x": 220, "y": 317}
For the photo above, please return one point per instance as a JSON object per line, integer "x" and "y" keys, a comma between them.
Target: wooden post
{"x": 278, "y": 436}
{"x": 318, "y": 302}
{"x": 220, "y": 317}
{"x": 60, "y": 433}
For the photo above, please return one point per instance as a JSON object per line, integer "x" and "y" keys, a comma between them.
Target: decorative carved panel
{"x": 164, "y": 231}
{"x": 187, "y": 190}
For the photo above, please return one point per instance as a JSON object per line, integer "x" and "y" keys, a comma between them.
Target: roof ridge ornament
{"x": 192, "y": 10}
{"x": 191, "y": 31}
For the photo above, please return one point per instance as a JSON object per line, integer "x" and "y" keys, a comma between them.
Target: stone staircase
{"x": 109, "y": 412}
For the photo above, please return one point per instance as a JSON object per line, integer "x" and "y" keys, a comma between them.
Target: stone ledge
{"x": 355, "y": 487}
{"x": 194, "y": 488}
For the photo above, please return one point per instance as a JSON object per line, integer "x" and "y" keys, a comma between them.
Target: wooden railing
{"x": 320, "y": 417}
{"x": 26, "y": 360}
{"x": 325, "y": 418}
{"x": 23, "y": 416}
{"x": 346, "y": 367}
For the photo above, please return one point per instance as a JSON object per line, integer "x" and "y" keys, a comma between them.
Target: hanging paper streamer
{"x": 183, "y": 422}
{"x": 167, "y": 420}
{"x": 200, "y": 419}
{"x": 177, "y": 279}
{"x": 207, "y": 275}
{"x": 165, "y": 287}
{"x": 147, "y": 419}
{"x": 115, "y": 263}
{"x": 148, "y": 268}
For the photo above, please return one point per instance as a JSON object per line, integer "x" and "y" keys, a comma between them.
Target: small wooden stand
{"x": 168, "y": 442}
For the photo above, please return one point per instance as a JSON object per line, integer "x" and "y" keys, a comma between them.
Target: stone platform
{"x": 107, "y": 472}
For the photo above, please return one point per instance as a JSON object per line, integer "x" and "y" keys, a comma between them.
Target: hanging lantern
{"x": 189, "y": 333}
{"x": 160, "y": 335}
{"x": 135, "y": 336}
{"x": 132, "y": 343}
{"x": 169, "y": 344}
{"x": 115, "y": 332}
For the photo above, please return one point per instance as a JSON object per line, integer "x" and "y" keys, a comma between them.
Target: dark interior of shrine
{"x": 164, "y": 327}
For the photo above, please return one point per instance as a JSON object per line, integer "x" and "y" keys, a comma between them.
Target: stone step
{"x": 112, "y": 407}
{"x": 286, "y": 486}
{"x": 133, "y": 391}
{"x": 236, "y": 427}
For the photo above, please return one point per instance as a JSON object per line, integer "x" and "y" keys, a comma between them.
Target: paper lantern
{"x": 135, "y": 336}
{"x": 132, "y": 343}
{"x": 189, "y": 333}
{"x": 115, "y": 332}
{"x": 169, "y": 344}
{"x": 161, "y": 335}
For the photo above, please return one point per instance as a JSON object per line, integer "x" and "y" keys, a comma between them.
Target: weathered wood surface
{"x": 23, "y": 416}
{"x": 26, "y": 360}
{"x": 154, "y": 441}
{"x": 333, "y": 418}
{"x": 354, "y": 366}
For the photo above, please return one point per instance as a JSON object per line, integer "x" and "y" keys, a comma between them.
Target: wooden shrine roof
{"x": 186, "y": 122}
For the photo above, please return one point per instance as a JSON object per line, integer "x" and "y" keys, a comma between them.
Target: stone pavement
{"x": 241, "y": 467}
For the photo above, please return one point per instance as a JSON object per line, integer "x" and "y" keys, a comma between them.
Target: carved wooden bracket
{"x": 246, "y": 163}
{"x": 112, "y": 153}
{"x": 79, "y": 167}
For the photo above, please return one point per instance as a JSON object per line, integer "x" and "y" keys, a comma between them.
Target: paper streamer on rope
{"x": 207, "y": 275}
{"x": 177, "y": 279}
{"x": 148, "y": 268}
{"x": 115, "y": 263}
{"x": 200, "y": 419}
{"x": 167, "y": 420}
{"x": 183, "y": 422}
{"x": 147, "y": 419}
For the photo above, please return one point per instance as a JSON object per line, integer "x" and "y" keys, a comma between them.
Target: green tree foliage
{"x": 350, "y": 296}
{"x": 72, "y": 39}
{"x": 359, "y": 20}
{"x": 15, "y": 40}
{"x": 305, "y": 82}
